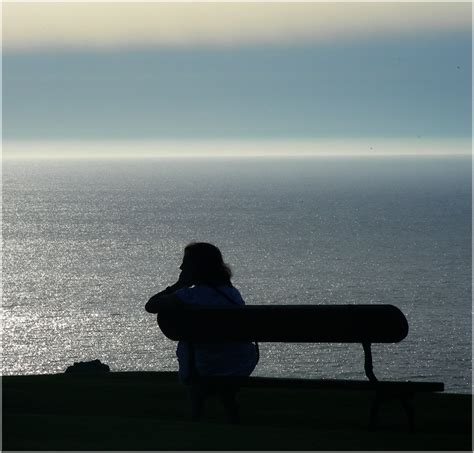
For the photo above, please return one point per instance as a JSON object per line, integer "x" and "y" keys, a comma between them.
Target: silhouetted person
{"x": 206, "y": 280}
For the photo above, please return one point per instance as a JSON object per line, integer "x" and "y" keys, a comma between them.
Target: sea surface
{"x": 86, "y": 243}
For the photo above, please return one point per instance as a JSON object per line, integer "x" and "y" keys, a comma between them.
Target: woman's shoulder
{"x": 204, "y": 294}
{"x": 233, "y": 293}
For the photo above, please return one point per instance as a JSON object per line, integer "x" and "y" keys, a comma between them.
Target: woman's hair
{"x": 209, "y": 267}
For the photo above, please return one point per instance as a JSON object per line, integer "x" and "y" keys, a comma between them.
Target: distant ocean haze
{"x": 87, "y": 242}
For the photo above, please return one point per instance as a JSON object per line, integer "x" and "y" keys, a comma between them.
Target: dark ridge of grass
{"x": 149, "y": 411}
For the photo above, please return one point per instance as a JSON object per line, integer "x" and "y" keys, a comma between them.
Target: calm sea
{"x": 86, "y": 243}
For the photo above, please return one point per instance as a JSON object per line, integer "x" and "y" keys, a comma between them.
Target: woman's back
{"x": 224, "y": 359}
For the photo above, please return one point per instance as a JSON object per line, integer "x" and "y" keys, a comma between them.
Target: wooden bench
{"x": 364, "y": 324}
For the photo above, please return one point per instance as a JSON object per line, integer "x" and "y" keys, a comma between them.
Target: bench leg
{"x": 374, "y": 413}
{"x": 406, "y": 401}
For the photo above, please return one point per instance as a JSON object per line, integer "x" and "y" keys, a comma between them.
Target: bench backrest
{"x": 286, "y": 323}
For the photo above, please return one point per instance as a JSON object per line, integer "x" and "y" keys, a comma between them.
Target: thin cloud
{"x": 30, "y": 26}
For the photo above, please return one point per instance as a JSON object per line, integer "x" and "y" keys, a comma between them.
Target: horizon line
{"x": 218, "y": 148}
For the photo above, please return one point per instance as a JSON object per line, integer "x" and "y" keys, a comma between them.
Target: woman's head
{"x": 205, "y": 262}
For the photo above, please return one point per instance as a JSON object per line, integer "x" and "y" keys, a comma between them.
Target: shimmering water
{"x": 87, "y": 242}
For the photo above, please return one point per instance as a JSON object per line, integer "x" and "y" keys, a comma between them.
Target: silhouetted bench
{"x": 364, "y": 324}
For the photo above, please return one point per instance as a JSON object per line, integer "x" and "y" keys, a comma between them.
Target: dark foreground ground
{"x": 149, "y": 411}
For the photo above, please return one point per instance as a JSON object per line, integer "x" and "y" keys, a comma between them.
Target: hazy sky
{"x": 112, "y": 25}
{"x": 120, "y": 71}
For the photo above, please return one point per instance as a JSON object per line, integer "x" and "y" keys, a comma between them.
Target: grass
{"x": 149, "y": 411}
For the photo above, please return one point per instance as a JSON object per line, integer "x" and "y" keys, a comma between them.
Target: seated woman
{"x": 206, "y": 280}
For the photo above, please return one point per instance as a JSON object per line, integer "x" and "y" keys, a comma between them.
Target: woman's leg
{"x": 198, "y": 392}
{"x": 197, "y": 396}
{"x": 227, "y": 395}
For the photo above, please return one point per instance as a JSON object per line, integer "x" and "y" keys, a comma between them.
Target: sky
{"x": 272, "y": 73}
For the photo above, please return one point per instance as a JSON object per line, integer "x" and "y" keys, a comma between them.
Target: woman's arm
{"x": 165, "y": 298}
{"x": 158, "y": 301}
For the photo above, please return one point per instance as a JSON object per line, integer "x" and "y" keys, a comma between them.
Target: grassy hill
{"x": 149, "y": 411}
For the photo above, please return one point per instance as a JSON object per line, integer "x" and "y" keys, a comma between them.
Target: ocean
{"x": 87, "y": 242}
